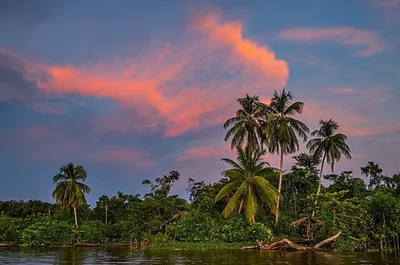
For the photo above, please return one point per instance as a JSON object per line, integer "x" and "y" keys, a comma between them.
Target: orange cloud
{"x": 342, "y": 35}
{"x": 181, "y": 87}
{"x": 230, "y": 34}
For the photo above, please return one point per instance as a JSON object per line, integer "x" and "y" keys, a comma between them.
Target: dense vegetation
{"x": 252, "y": 200}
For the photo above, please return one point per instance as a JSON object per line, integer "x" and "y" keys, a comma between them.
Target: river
{"x": 78, "y": 256}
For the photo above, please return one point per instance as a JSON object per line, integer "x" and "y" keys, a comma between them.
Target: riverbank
{"x": 161, "y": 246}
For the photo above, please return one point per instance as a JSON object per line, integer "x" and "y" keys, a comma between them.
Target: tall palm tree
{"x": 281, "y": 129}
{"x": 246, "y": 125}
{"x": 70, "y": 189}
{"x": 328, "y": 145}
{"x": 247, "y": 182}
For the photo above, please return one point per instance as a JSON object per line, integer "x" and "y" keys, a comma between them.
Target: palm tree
{"x": 328, "y": 145}
{"x": 69, "y": 191}
{"x": 281, "y": 129}
{"x": 247, "y": 182}
{"x": 247, "y": 123}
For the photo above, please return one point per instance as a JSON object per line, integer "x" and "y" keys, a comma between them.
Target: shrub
{"x": 125, "y": 231}
{"x": 259, "y": 231}
{"x": 48, "y": 233}
{"x": 236, "y": 229}
{"x": 10, "y": 230}
{"x": 193, "y": 227}
{"x": 91, "y": 231}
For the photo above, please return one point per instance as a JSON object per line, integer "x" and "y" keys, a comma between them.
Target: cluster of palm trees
{"x": 258, "y": 128}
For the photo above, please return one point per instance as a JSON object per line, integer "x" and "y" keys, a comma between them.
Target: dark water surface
{"x": 77, "y": 256}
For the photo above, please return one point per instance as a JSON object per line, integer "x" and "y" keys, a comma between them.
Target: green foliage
{"x": 194, "y": 227}
{"x": 10, "y": 229}
{"x": 201, "y": 227}
{"x": 346, "y": 244}
{"x": 91, "y": 231}
{"x": 237, "y": 230}
{"x": 48, "y": 232}
{"x": 337, "y": 213}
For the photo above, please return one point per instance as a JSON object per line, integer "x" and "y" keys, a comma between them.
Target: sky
{"x": 134, "y": 89}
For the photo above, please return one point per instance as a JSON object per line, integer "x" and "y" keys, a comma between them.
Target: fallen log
{"x": 326, "y": 241}
{"x": 286, "y": 243}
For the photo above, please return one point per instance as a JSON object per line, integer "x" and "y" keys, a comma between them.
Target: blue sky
{"x": 132, "y": 89}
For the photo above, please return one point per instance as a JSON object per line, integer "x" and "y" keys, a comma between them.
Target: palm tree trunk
{"x": 279, "y": 187}
{"x": 75, "y": 216}
{"x": 321, "y": 172}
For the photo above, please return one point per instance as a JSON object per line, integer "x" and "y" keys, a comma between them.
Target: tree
{"x": 161, "y": 186}
{"x": 248, "y": 184}
{"x": 376, "y": 177}
{"x": 346, "y": 181}
{"x": 329, "y": 145}
{"x": 307, "y": 162}
{"x": 246, "y": 125}
{"x": 281, "y": 129}
{"x": 70, "y": 189}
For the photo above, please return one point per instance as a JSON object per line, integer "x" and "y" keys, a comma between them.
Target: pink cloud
{"x": 179, "y": 88}
{"x": 342, "y": 35}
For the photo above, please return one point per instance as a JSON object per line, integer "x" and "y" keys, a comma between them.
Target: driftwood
{"x": 286, "y": 243}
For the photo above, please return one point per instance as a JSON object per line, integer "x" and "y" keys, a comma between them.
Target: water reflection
{"x": 88, "y": 256}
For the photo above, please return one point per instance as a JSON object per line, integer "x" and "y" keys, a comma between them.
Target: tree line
{"x": 251, "y": 201}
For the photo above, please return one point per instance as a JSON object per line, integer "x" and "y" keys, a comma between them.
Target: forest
{"x": 252, "y": 202}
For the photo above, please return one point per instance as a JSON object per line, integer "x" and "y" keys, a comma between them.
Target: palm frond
{"x": 232, "y": 204}
{"x": 251, "y": 206}
{"x": 226, "y": 190}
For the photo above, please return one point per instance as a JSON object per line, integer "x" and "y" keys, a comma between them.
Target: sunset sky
{"x": 134, "y": 89}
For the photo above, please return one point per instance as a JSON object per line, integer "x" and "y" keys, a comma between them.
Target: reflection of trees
{"x": 70, "y": 256}
{"x": 114, "y": 255}
{"x": 119, "y": 254}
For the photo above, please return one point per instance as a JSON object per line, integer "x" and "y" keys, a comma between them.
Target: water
{"x": 78, "y": 256}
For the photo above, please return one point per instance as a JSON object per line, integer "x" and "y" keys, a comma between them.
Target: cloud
{"x": 182, "y": 86}
{"x": 18, "y": 85}
{"x": 348, "y": 36}
{"x": 230, "y": 35}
